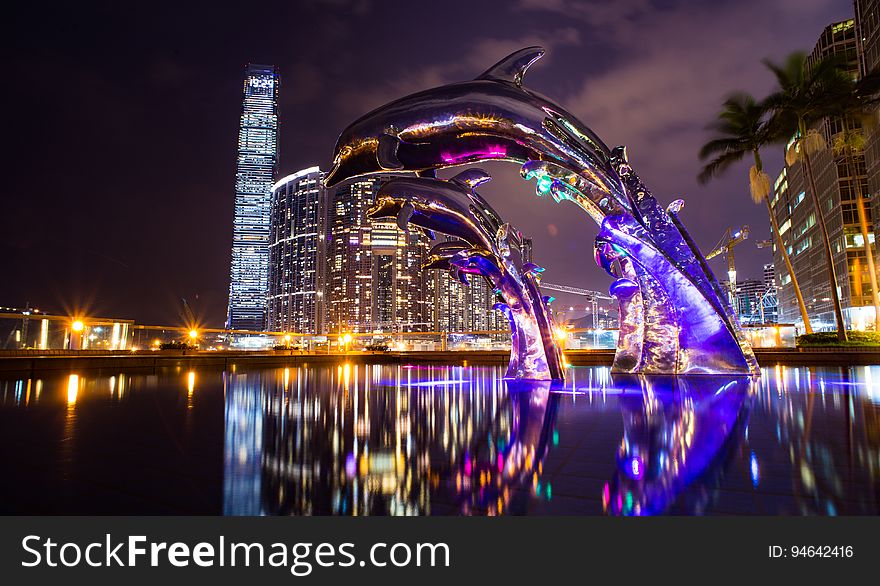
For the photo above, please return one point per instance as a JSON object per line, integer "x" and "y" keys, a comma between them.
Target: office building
{"x": 297, "y": 259}
{"x": 837, "y": 184}
{"x": 255, "y": 173}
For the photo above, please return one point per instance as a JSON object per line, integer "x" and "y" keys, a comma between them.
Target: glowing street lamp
{"x": 287, "y": 340}
{"x": 77, "y": 335}
{"x": 561, "y": 336}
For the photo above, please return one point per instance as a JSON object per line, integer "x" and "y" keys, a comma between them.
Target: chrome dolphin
{"x": 490, "y": 117}
{"x": 482, "y": 245}
{"x": 674, "y": 318}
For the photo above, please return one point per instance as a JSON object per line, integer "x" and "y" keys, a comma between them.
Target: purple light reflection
{"x": 490, "y": 152}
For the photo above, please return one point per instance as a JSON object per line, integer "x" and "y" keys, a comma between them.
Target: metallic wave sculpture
{"x": 674, "y": 317}
{"x": 483, "y": 245}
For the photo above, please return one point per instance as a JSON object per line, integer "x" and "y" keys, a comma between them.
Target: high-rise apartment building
{"x": 297, "y": 259}
{"x": 837, "y": 183}
{"x": 255, "y": 173}
{"x": 375, "y": 281}
{"x": 769, "y": 275}
{"x": 464, "y": 308}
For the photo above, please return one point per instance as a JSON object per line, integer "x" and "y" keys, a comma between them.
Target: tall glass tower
{"x": 254, "y": 176}
{"x": 297, "y": 263}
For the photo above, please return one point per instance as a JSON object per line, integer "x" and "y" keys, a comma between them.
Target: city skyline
{"x": 186, "y": 203}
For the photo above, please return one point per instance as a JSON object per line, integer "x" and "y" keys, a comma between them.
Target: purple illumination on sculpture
{"x": 678, "y": 432}
{"x": 483, "y": 245}
{"x": 489, "y": 153}
{"x": 674, "y": 317}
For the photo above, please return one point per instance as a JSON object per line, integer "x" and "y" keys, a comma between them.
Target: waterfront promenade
{"x": 38, "y": 360}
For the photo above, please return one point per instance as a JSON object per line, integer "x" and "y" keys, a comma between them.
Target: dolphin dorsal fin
{"x": 513, "y": 67}
{"x": 472, "y": 177}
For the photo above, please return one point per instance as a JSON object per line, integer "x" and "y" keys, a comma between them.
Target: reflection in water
{"x": 676, "y": 430}
{"x": 384, "y": 441}
{"x": 365, "y": 440}
{"x": 393, "y": 440}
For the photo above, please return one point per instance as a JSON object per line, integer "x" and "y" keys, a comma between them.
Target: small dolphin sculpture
{"x": 674, "y": 317}
{"x": 485, "y": 246}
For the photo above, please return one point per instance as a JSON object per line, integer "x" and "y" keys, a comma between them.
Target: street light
{"x": 561, "y": 336}
{"x": 77, "y": 326}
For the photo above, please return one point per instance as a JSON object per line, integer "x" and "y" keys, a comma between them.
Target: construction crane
{"x": 593, "y": 296}
{"x": 728, "y": 241}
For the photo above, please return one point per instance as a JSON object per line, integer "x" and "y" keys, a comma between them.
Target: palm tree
{"x": 807, "y": 93}
{"x": 743, "y": 129}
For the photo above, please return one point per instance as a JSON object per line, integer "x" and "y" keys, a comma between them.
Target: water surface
{"x": 442, "y": 440}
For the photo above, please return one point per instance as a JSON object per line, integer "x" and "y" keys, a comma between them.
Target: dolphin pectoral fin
{"x": 429, "y": 233}
{"x": 404, "y": 215}
{"x": 472, "y": 177}
{"x": 386, "y": 152}
{"x": 513, "y": 67}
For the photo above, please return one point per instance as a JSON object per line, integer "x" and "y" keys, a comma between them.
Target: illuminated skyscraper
{"x": 463, "y": 308}
{"x": 255, "y": 173}
{"x": 375, "y": 281}
{"x": 838, "y": 183}
{"x": 296, "y": 254}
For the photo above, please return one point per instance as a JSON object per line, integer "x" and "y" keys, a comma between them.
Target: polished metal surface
{"x": 673, "y": 319}
{"x": 482, "y": 245}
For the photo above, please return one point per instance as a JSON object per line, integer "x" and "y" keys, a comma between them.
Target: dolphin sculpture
{"x": 481, "y": 245}
{"x": 674, "y": 317}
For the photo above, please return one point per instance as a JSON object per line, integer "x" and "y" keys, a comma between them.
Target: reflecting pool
{"x": 439, "y": 440}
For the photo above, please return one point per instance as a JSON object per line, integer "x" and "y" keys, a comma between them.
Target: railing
{"x": 44, "y": 332}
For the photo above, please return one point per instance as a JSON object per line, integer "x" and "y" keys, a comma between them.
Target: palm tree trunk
{"x": 863, "y": 224}
{"x": 826, "y": 242}
{"x": 808, "y": 329}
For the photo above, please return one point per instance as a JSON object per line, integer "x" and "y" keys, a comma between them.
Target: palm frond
{"x": 718, "y": 165}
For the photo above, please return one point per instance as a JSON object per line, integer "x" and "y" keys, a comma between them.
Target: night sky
{"x": 120, "y": 123}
